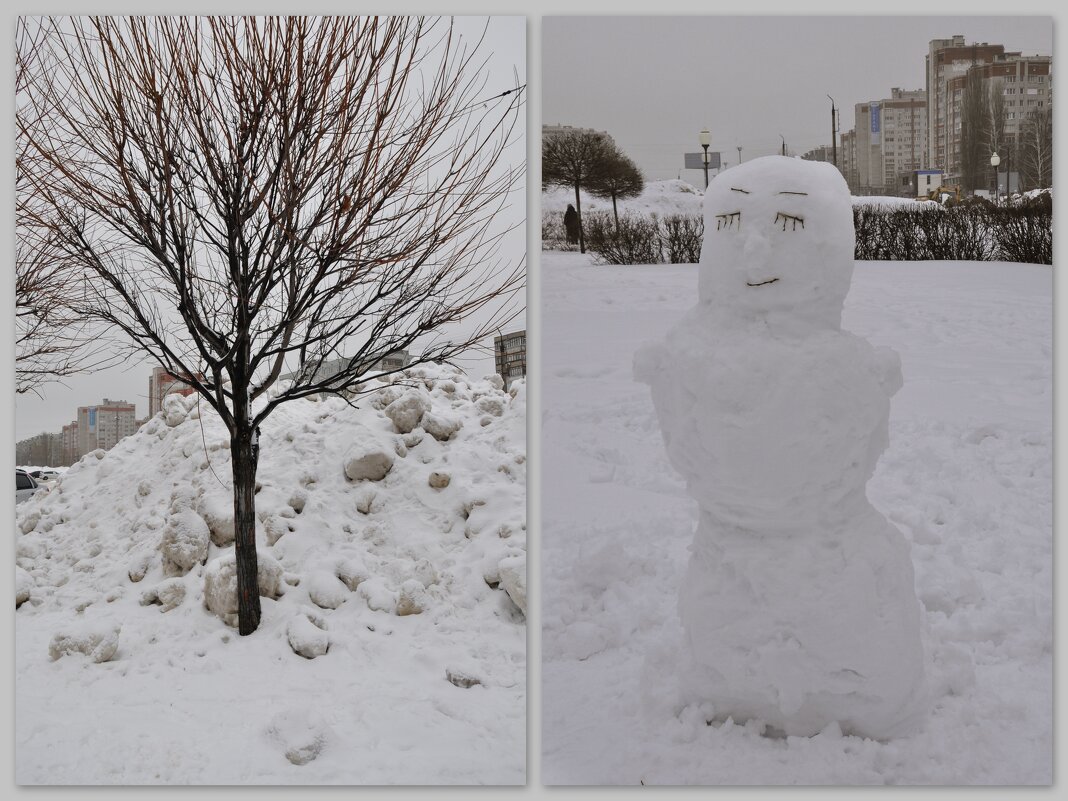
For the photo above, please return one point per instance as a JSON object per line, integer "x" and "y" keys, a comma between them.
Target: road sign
{"x": 695, "y": 161}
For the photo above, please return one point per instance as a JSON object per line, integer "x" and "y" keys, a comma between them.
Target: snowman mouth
{"x": 763, "y": 283}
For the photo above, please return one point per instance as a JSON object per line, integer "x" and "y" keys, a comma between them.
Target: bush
{"x": 635, "y": 240}
{"x": 680, "y": 238}
{"x": 974, "y": 231}
{"x": 553, "y": 236}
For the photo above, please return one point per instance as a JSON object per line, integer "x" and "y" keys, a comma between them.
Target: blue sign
{"x": 875, "y": 118}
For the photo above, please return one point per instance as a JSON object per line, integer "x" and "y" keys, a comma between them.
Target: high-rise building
{"x": 103, "y": 425}
{"x": 948, "y": 62}
{"x": 890, "y": 136}
{"x": 42, "y": 450}
{"x": 847, "y": 157}
{"x": 510, "y": 356}
{"x": 1025, "y": 83}
{"x": 821, "y": 153}
{"x": 69, "y": 438}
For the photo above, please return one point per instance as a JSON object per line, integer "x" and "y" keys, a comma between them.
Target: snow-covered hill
{"x": 393, "y": 652}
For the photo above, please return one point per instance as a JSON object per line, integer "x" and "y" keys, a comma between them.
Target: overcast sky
{"x": 654, "y": 82}
{"x": 505, "y": 46}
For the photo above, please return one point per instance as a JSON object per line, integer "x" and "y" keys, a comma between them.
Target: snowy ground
{"x": 432, "y": 697}
{"x": 967, "y": 477}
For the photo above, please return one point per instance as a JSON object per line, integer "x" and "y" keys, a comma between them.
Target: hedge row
{"x": 968, "y": 232}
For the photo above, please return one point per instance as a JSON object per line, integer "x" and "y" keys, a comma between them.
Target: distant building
{"x": 69, "y": 440}
{"x": 890, "y": 142}
{"x": 103, "y": 425}
{"x": 821, "y": 153}
{"x": 847, "y": 158}
{"x": 395, "y": 360}
{"x": 925, "y": 182}
{"x": 161, "y": 384}
{"x": 510, "y": 356}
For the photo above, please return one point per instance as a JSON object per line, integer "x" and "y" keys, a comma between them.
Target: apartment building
{"x": 104, "y": 424}
{"x": 890, "y": 142}
{"x": 510, "y": 356}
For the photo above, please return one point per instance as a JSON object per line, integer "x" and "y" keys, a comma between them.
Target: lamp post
{"x": 995, "y": 160}
{"x": 834, "y": 138}
{"x": 783, "y": 138}
{"x": 705, "y": 138}
{"x": 739, "y": 148}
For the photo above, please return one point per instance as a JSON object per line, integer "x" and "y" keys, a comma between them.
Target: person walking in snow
{"x": 571, "y": 225}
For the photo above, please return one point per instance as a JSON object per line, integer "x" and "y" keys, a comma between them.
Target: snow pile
{"x": 663, "y": 198}
{"x": 378, "y": 580}
{"x": 798, "y": 603}
{"x": 967, "y": 477}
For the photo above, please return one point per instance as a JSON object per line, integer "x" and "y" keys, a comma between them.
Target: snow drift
{"x": 379, "y": 581}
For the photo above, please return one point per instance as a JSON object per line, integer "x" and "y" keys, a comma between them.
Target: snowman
{"x": 798, "y": 603}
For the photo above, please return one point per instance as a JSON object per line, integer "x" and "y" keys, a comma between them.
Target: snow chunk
{"x": 441, "y": 426}
{"x": 352, "y": 572}
{"x": 185, "y": 542}
{"x": 494, "y": 380}
{"x": 217, "y": 509}
{"x": 174, "y": 410}
{"x": 513, "y": 579}
{"x": 408, "y": 410}
{"x": 98, "y": 641}
{"x": 369, "y": 464}
{"x": 378, "y": 595}
{"x": 412, "y": 599}
{"x": 168, "y": 594}
{"x": 23, "y": 586}
{"x": 220, "y": 584}
{"x": 439, "y": 479}
{"x": 307, "y": 639}
{"x": 325, "y": 590}
{"x": 300, "y": 732}
{"x": 461, "y": 678}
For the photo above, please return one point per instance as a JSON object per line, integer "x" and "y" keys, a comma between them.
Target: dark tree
{"x": 974, "y": 153}
{"x": 253, "y": 196}
{"x": 574, "y": 159}
{"x": 618, "y": 177}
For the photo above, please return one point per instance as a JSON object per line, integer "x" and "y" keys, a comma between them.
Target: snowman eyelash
{"x": 727, "y": 220}
{"x": 736, "y": 189}
{"x": 789, "y": 218}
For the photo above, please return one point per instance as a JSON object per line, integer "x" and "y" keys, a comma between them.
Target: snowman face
{"x": 779, "y": 241}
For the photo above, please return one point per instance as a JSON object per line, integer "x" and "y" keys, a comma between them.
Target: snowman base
{"x": 805, "y": 630}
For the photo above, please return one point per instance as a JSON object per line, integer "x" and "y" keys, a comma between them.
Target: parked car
{"x": 25, "y": 486}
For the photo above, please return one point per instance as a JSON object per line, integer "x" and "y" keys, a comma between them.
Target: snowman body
{"x": 798, "y": 602}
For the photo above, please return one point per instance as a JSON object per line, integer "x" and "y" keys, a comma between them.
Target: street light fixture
{"x": 783, "y": 138}
{"x": 995, "y": 160}
{"x": 705, "y": 138}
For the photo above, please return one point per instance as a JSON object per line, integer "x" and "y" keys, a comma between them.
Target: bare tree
{"x": 1035, "y": 148}
{"x": 618, "y": 177}
{"x": 52, "y": 341}
{"x": 574, "y": 159}
{"x": 253, "y": 196}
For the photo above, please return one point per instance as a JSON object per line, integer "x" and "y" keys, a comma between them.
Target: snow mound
{"x": 385, "y": 562}
{"x": 98, "y": 641}
{"x": 663, "y": 198}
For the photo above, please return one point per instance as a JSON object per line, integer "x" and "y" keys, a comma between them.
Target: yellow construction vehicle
{"x": 944, "y": 193}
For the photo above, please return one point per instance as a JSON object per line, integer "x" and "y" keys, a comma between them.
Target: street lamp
{"x": 995, "y": 160}
{"x": 705, "y": 138}
{"x": 783, "y": 138}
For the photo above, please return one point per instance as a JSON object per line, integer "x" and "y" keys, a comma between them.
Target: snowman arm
{"x": 888, "y": 365}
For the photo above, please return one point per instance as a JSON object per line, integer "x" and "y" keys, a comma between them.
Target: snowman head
{"x": 778, "y": 243}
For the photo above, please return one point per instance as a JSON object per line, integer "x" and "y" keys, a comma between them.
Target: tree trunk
{"x": 578, "y": 210}
{"x": 614, "y": 212}
{"x": 244, "y": 469}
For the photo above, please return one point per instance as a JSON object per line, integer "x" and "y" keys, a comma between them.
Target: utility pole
{"x": 834, "y": 138}
{"x": 739, "y": 154}
{"x": 783, "y": 138}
